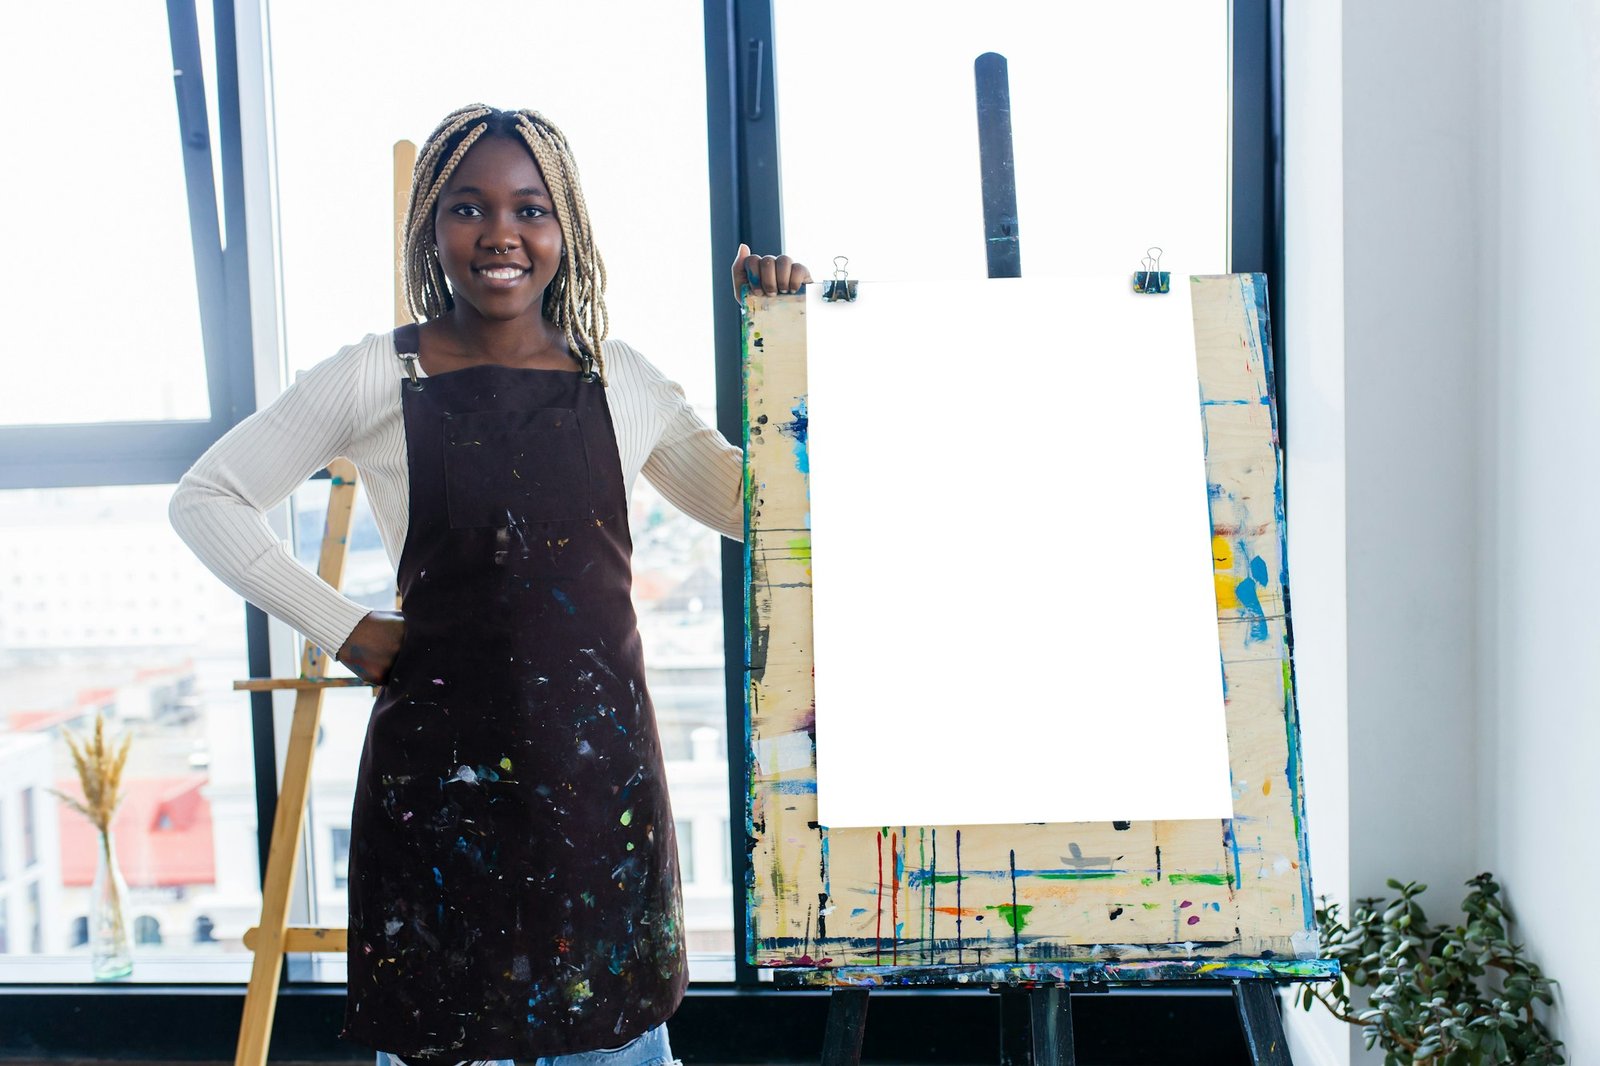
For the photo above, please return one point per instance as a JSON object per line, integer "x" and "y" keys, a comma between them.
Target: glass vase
{"x": 110, "y": 947}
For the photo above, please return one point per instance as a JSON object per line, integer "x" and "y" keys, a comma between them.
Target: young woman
{"x": 513, "y": 879}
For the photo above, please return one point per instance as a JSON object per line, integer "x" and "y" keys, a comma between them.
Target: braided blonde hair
{"x": 574, "y": 300}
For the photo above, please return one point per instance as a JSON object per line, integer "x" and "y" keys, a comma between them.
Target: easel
{"x": 1036, "y": 1016}
{"x": 273, "y": 937}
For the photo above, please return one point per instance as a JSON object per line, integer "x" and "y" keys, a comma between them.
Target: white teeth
{"x": 503, "y": 273}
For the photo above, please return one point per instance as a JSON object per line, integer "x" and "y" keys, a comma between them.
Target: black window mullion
{"x": 102, "y": 453}
{"x": 742, "y": 144}
{"x": 1256, "y": 193}
{"x": 194, "y": 132}
{"x": 230, "y": 365}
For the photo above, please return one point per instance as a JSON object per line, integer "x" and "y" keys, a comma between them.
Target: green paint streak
{"x": 1150, "y": 906}
{"x": 1016, "y": 915}
{"x": 627, "y": 816}
{"x": 945, "y": 879}
{"x": 1200, "y": 879}
{"x": 800, "y": 547}
{"x": 1076, "y": 875}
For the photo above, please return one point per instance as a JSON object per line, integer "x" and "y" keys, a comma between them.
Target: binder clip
{"x": 1152, "y": 279}
{"x": 840, "y": 286}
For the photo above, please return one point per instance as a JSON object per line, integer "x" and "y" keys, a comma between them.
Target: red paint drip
{"x": 894, "y": 896}
{"x": 879, "y": 933}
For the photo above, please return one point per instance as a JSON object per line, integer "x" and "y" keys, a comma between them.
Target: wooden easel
{"x": 273, "y": 937}
{"x": 1255, "y": 950}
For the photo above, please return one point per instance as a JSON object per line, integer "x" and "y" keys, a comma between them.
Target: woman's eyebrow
{"x": 473, "y": 190}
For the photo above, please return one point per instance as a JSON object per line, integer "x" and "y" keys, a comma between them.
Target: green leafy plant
{"x": 1444, "y": 995}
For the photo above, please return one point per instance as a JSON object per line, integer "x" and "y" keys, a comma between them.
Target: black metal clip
{"x": 840, "y": 287}
{"x": 1152, "y": 280}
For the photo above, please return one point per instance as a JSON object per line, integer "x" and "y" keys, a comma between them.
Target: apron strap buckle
{"x": 410, "y": 360}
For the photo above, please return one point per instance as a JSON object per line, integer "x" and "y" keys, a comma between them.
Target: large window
{"x": 1128, "y": 133}
{"x": 1119, "y": 116}
{"x": 644, "y": 172}
{"x": 124, "y": 362}
{"x": 104, "y": 611}
{"x": 123, "y": 251}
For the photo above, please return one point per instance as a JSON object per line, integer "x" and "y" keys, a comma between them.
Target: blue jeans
{"x": 650, "y": 1049}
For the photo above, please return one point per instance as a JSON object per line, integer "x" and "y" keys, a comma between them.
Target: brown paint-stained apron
{"x": 513, "y": 882}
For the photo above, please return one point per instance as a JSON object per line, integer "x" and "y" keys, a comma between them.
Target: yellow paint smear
{"x": 1222, "y": 562}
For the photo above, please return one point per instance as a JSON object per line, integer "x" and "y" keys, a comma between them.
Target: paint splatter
{"x": 1250, "y": 599}
{"x": 798, "y": 429}
{"x": 1222, "y": 562}
{"x": 1015, "y": 915}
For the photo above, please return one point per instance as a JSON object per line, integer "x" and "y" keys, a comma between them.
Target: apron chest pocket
{"x": 505, "y": 468}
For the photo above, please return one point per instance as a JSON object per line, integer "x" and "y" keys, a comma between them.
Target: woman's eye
{"x": 464, "y": 210}
{"x": 531, "y": 207}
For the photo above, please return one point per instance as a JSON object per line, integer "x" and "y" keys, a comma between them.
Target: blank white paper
{"x": 1014, "y": 611}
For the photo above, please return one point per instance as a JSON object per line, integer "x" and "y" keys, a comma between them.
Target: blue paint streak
{"x": 561, "y": 598}
{"x": 798, "y": 429}
{"x": 920, "y": 877}
{"x": 1251, "y": 601}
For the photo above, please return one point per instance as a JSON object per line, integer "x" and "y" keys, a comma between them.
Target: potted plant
{"x": 1447, "y": 995}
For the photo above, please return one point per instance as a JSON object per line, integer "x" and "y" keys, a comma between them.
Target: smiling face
{"x": 499, "y": 240}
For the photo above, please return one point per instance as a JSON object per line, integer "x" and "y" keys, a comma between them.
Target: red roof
{"x": 39, "y": 721}
{"x": 162, "y": 831}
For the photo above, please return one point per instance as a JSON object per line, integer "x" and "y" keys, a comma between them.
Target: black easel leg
{"x": 1263, "y": 1025}
{"x": 847, "y": 1025}
{"x": 1050, "y": 1019}
{"x": 1014, "y": 1026}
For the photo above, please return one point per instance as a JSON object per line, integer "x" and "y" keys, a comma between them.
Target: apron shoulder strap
{"x": 405, "y": 339}
{"x": 406, "y": 346}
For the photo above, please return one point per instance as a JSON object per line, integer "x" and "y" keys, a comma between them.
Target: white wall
{"x": 1411, "y": 155}
{"x": 1541, "y": 411}
{"x": 1442, "y": 159}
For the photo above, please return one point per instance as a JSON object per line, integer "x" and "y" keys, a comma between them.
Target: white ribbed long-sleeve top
{"x": 349, "y": 405}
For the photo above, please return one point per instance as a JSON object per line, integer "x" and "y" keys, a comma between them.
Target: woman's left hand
{"x": 769, "y": 274}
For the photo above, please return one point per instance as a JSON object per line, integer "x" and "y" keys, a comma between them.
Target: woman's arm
{"x": 693, "y": 465}
{"x": 218, "y": 506}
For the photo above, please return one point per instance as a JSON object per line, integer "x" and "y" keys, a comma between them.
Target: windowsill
{"x": 71, "y": 971}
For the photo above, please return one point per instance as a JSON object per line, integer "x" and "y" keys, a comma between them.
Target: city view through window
{"x": 104, "y": 610}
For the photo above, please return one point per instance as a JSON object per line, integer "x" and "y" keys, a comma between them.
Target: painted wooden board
{"x": 1114, "y": 901}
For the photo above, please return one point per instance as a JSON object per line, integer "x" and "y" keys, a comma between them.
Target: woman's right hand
{"x": 371, "y": 648}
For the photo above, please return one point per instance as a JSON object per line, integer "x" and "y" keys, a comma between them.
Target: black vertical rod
{"x": 997, "y": 169}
